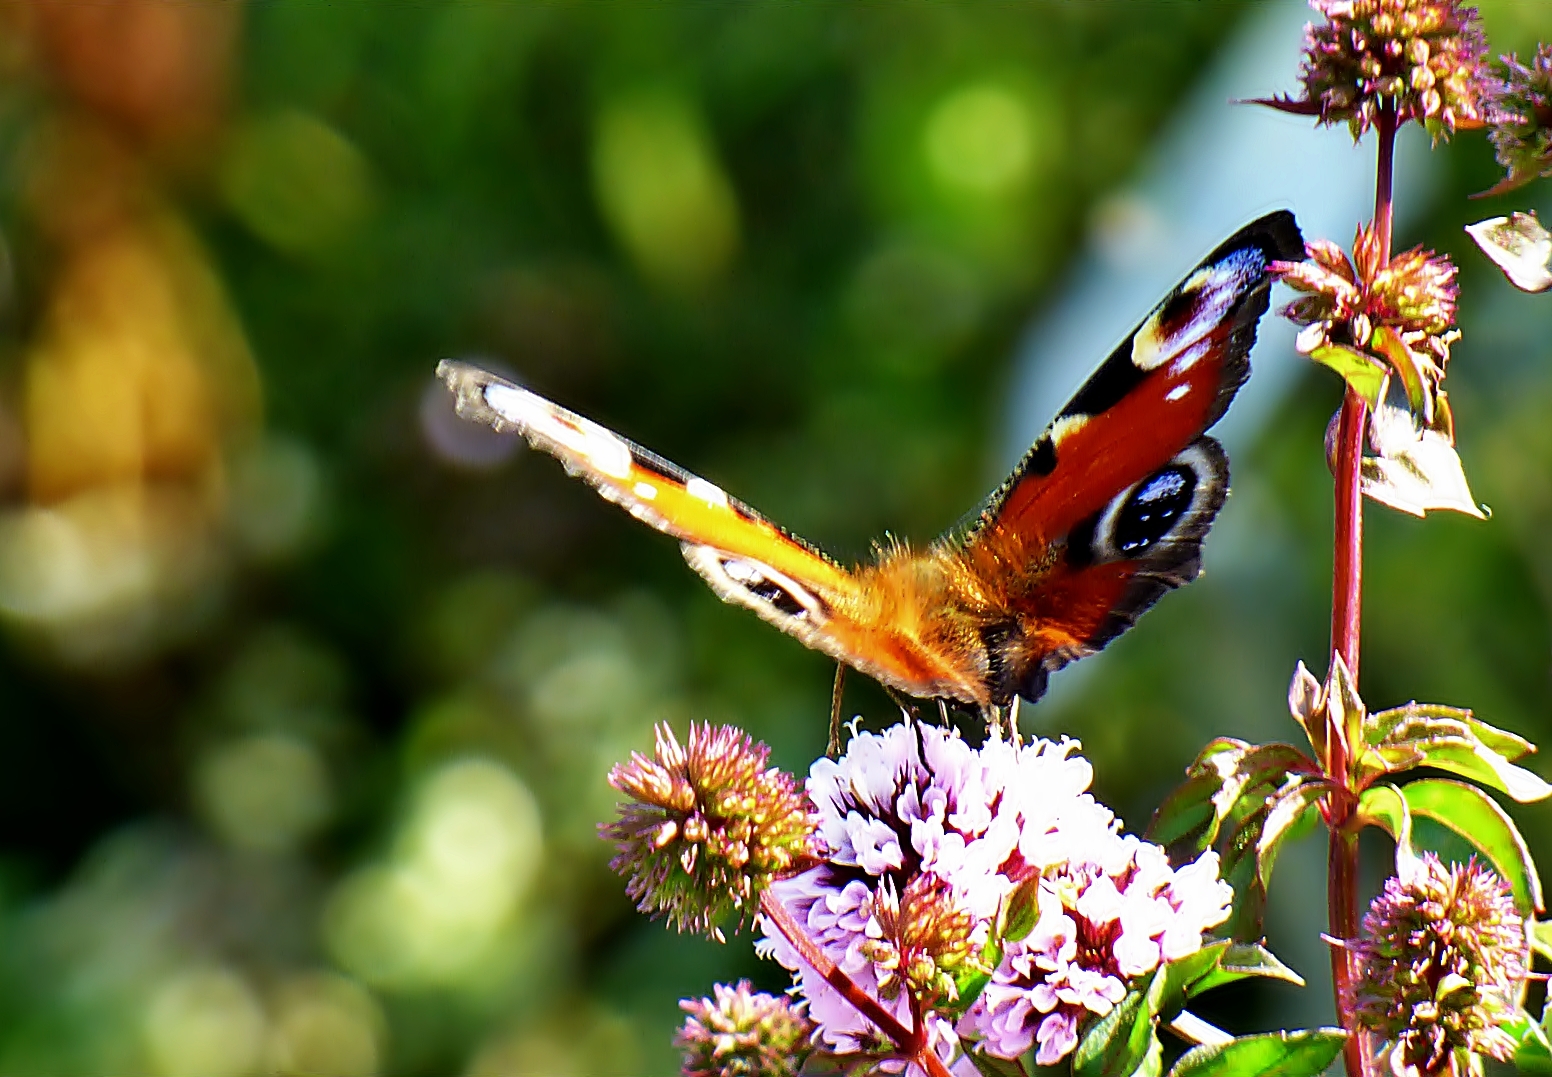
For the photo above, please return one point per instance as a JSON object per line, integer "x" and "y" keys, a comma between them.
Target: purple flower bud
{"x": 739, "y": 1032}
{"x": 709, "y": 827}
{"x": 1440, "y": 966}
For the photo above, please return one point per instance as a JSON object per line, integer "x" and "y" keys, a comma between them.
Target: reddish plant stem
{"x": 1346, "y": 612}
{"x": 1342, "y": 908}
{"x": 911, "y": 1043}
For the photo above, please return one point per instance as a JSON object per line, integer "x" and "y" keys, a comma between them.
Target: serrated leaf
{"x": 1241, "y": 961}
{"x": 1505, "y": 743}
{"x": 1118, "y": 1043}
{"x": 1216, "y": 783}
{"x": 1175, "y": 981}
{"x": 1454, "y": 740}
{"x": 1414, "y": 721}
{"x": 1518, "y": 245}
{"x": 1478, "y": 819}
{"x": 1415, "y": 469}
{"x": 1362, "y": 374}
{"x": 1273, "y": 1054}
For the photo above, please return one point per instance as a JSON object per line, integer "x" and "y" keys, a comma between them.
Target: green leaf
{"x": 1225, "y": 772}
{"x": 1272, "y": 1054}
{"x": 1175, "y": 981}
{"x": 1480, "y": 763}
{"x": 1505, "y": 743}
{"x": 1452, "y": 740}
{"x": 1118, "y": 1044}
{"x": 1384, "y": 806}
{"x": 1533, "y": 1054}
{"x": 1363, "y": 374}
{"x": 1478, "y": 819}
{"x": 1407, "y": 366}
{"x": 1292, "y": 814}
{"x": 1190, "y": 807}
{"x": 1243, "y": 960}
{"x": 988, "y": 1066}
{"x": 1541, "y": 938}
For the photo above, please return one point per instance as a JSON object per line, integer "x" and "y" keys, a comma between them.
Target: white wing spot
{"x": 539, "y": 419}
{"x": 1177, "y": 393}
{"x": 1066, "y": 426}
{"x": 516, "y": 405}
{"x": 606, "y": 452}
{"x": 646, "y": 491}
{"x": 712, "y": 495}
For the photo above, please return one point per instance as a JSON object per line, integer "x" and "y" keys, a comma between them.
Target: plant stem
{"x": 1342, "y": 910}
{"x": 1346, "y": 613}
{"x": 910, "y": 1042}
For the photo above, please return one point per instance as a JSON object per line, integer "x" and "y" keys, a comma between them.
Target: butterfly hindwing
{"x": 1114, "y": 499}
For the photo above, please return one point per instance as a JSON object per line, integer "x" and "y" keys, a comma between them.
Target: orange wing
{"x": 1105, "y": 513}
{"x": 1113, "y": 500}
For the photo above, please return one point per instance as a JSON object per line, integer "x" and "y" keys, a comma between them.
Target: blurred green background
{"x": 308, "y": 691}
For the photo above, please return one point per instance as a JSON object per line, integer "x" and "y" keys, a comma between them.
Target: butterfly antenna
{"x": 833, "y": 748}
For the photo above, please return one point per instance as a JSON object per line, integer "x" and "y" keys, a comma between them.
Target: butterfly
{"x": 1105, "y": 513}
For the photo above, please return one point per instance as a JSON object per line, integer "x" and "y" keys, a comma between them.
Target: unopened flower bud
{"x": 709, "y": 826}
{"x": 1442, "y": 960}
{"x": 740, "y": 1032}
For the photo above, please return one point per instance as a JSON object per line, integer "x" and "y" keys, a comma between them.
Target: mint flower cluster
{"x": 1032, "y": 911}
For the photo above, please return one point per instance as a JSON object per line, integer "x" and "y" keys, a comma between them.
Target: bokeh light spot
{"x": 276, "y": 497}
{"x": 978, "y": 140}
{"x": 662, "y": 189}
{"x": 325, "y": 1024}
{"x": 205, "y": 1021}
{"x": 266, "y": 792}
{"x": 296, "y": 182}
{"x": 463, "y": 861}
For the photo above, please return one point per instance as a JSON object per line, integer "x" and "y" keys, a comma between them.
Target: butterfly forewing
{"x": 725, "y": 540}
{"x": 1113, "y": 500}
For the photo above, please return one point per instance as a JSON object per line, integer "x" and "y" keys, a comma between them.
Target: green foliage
{"x": 1271, "y": 1054}
{"x": 1125, "y": 1042}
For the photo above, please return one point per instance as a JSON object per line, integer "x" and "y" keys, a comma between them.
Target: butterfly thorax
{"x": 950, "y": 621}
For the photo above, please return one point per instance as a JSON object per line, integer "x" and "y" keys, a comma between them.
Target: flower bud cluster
{"x": 1441, "y": 963}
{"x": 1351, "y": 303}
{"x": 740, "y": 1032}
{"x": 1420, "y": 58}
{"x": 709, "y": 826}
{"x": 1522, "y": 125}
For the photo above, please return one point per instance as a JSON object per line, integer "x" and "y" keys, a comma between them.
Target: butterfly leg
{"x": 907, "y": 708}
{"x": 992, "y": 715}
{"x": 943, "y": 713}
{"x": 1013, "y": 713}
{"x": 833, "y": 748}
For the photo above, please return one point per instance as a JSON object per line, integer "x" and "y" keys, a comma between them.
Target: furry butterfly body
{"x": 1105, "y": 513}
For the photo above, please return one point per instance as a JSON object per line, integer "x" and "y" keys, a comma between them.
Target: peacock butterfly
{"x": 1105, "y": 513}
